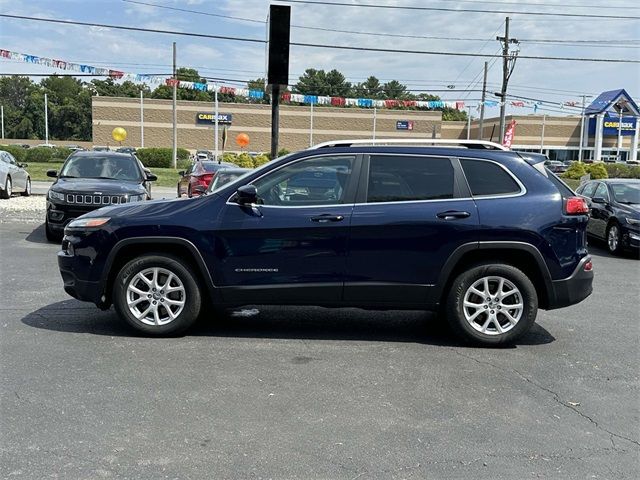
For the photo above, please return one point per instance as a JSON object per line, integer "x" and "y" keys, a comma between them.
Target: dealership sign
{"x": 404, "y": 125}
{"x": 610, "y": 125}
{"x": 203, "y": 118}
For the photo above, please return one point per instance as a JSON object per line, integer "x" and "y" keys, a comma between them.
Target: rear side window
{"x": 588, "y": 190}
{"x": 401, "y": 179}
{"x": 488, "y": 178}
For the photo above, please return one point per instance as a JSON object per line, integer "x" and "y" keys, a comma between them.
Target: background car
{"x": 203, "y": 155}
{"x": 126, "y": 150}
{"x": 196, "y": 179}
{"x": 46, "y": 145}
{"x": 75, "y": 148}
{"x": 91, "y": 180}
{"x": 13, "y": 176}
{"x": 556, "y": 166}
{"x": 615, "y": 212}
{"x": 101, "y": 148}
{"x": 226, "y": 175}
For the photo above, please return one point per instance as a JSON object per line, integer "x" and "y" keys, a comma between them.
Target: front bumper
{"x": 83, "y": 290}
{"x": 630, "y": 238}
{"x": 573, "y": 289}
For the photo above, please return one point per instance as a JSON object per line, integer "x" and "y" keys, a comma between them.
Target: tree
{"x": 187, "y": 75}
{"x": 259, "y": 84}
{"x": 370, "y": 88}
{"x": 449, "y": 114}
{"x": 395, "y": 90}
{"x": 319, "y": 82}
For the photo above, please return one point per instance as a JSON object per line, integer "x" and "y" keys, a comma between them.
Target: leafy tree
{"x": 259, "y": 84}
{"x": 394, "y": 89}
{"x": 449, "y": 114}
{"x": 319, "y": 82}
{"x": 370, "y": 88}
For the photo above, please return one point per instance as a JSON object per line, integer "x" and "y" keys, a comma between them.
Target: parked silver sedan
{"x": 13, "y": 176}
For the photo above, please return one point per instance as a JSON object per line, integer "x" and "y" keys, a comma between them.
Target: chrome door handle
{"x": 453, "y": 215}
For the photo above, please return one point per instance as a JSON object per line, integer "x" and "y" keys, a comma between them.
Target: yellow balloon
{"x": 119, "y": 134}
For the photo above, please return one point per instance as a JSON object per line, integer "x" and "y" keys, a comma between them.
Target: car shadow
{"x": 37, "y": 235}
{"x": 308, "y": 323}
{"x": 598, "y": 248}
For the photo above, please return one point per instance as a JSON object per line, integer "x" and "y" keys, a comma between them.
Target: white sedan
{"x": 13, "y": 177}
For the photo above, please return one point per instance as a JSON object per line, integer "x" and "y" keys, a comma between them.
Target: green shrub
{"x": 597, "y": 170}
{"x": 17, "y": 151}
{"x": 39, "y": 155}
{"x": 60, "y": 153}
{"x": 260, "y": 160}
{"x": 230, "y": 157}
{"x": 244, "y": 160}
{"x": 161, "y": 157}
{"x": 634, "y": 172}
{"x": 575, "y": 171}
{"x": 183, "y": 164}
{"x": 282, "y": 152}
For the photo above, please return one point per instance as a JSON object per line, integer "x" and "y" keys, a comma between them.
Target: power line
{"x": 548, "y": 5}
{"x": 313, "y": 45}
{"x": 459, "y": 10}
{"x": 609, "y": 43}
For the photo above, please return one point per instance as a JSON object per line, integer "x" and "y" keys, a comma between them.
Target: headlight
{"x": 632, "y": 221}
{"x": 53, "y": 195}
{"x": 88, "y": 222}
{"x": 137, "y": 198}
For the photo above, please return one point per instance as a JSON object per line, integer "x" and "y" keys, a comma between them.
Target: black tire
{"x": 27, "y": 188}
{"x": 191, "y": 295}
{"x": 461, "y": 286}
{"x": 614, "y": 245}
{"x": 6, "y": 192}
{"x": 189, "y": 191}
{"x": 50, "y": 234}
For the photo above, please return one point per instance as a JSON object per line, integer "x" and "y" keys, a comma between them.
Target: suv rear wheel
{"x": 157, "y": 295}
{"x": 492, "y": 304}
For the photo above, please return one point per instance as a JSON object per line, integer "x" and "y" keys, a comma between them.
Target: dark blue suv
{"x": 483, "y": 235}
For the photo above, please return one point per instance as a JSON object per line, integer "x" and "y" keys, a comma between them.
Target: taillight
{"x": 588, "y": 266}
{"x": 205, "y": 179}
{"x": 576, "y": 206}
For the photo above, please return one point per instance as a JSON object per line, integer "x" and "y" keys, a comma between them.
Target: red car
{"x": 195, "y": 180}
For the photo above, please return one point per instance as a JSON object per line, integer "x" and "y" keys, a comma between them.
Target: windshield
{"x": 626, "y": 192}
{"x": 101, "y": 166}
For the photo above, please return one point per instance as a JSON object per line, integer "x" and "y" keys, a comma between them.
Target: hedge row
{"x": 244, "y": 160}
{"x": 602, "y": 170}
{"x": 37, "y": 154}
{"x": 160, "y": 157}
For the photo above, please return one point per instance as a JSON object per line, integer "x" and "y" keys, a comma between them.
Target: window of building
{"x": 394, "y": 178}
{"x": 488, "y": 178}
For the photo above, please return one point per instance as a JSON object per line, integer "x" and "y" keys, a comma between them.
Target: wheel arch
{"x": 128, "y": 249}
{"x": 523, "y": 256}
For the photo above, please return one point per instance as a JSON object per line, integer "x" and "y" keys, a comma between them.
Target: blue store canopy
{"x": 613, "y": 101}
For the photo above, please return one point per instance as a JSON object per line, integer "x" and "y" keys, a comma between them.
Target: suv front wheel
{"x": 492, "y": 304}
{"x": 157, "y": 295}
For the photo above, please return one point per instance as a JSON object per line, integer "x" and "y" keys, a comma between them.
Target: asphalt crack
{"x": 556, "y": 398}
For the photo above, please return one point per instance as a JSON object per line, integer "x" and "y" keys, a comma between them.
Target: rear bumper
{"x": 573, "y": 289}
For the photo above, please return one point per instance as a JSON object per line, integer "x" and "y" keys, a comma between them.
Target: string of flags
{"x": 287, "y": 97}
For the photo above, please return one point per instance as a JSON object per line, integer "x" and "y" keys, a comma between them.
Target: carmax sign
{"x": 204, "y": 118}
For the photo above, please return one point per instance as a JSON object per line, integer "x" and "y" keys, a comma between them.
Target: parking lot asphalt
{"x": 304, "y": 393}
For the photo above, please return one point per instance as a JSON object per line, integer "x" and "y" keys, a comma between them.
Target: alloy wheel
{"x": 156, "y": 296}
{"x": 493, "y": 305}
{"x": 612, "y": 238}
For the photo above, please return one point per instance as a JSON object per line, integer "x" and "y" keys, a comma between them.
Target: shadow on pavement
{"x": 598, "y": 248}
{"x": 38, "y": 236}
{"x": 311, "y": 323}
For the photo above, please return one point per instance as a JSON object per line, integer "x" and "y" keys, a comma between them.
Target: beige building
{"x": 300, "y": 127}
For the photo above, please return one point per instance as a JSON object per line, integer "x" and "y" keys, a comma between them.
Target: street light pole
{"x": 46, "y": 120}
{"x": 141, "y": 119}
{"x": 2, "y": 115}
{"x": 584, "y": 99}
{"x": 175, "y": 112}
{"x": 215, "y": 120}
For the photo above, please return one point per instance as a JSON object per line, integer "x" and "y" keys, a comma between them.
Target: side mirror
{"x": 247, "y": 194}
{"x": 52, "y": 173}
{"x": 151, "y": 177}
{"x": 598, "y": 200}
{"x": 181, "y": 173}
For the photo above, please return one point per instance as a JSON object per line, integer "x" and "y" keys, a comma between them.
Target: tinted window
{"x": 588, "y": 189}
{"x": 401, "y": 179}
{"x": 315, "y": 181}
{"x": 601, "y": 191}
{"x": 488, "y": 178}
{"x": 101, "y": 166}
{"x": 626, "y": 192}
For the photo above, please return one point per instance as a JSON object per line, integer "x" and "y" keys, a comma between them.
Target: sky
{"x": 237, "y": 62}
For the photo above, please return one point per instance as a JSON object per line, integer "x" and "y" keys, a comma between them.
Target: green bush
{"x": 230, "y": 157}
{"x": 17, "y": 151}
{"x": 161, "y": 157}
{"x": 620, "y": 170}
{"x": 60, "y": 153}
{"x": 260, "y": 160}
{"x": 634, "y": 172}
{"x": 182, "y": 154}
{"x": 282, "y": 152}
{"x": 597, "y": 170}
{"x": 244, "y": 160}
{"x": 39, "y": 155}
{"x": 575, "y": 171}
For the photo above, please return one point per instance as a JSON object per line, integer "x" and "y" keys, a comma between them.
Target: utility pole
{"x": 215, "y": 121}
{"x": 468, "y": 123}
{"x": 174, "y": 157}
{"x": 484, "y": 96}
{"x": 507, "y": 70}
{"x": 141, "y": 118}
{"x": 2, "y": 115}
{"x": 46, "y": 120}
{"x": 584, "y": 100}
